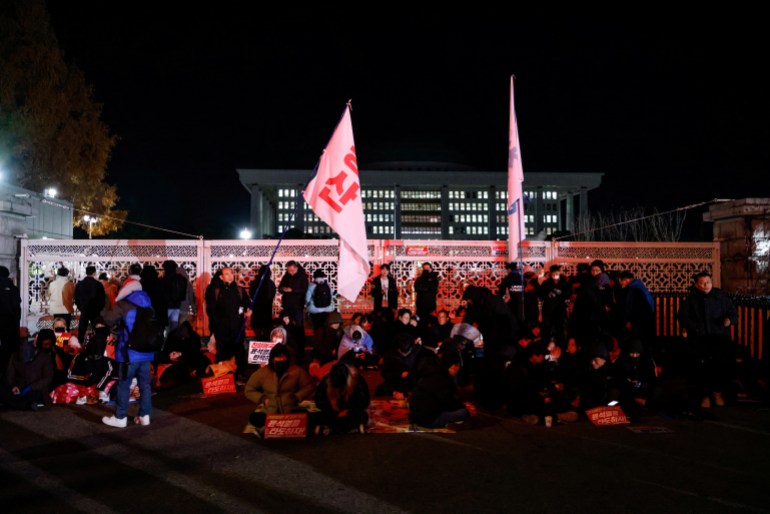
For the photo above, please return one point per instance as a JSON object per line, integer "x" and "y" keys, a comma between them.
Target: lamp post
{"x": 91, "y": 220}
{"x": 246, "y": 233}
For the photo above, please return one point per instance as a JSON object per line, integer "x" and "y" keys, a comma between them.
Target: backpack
{"x": 146, "y": 335}
{"x": 322, "y": 295}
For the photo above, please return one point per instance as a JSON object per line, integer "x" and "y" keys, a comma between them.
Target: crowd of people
{"x": 541, "y": 345}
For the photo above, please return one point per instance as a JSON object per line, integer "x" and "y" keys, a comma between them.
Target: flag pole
{"x": 521, "y": 257}
{"x": 286, "y": 228}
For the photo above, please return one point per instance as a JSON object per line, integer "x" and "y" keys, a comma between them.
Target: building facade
{"x": 424, "y": 200}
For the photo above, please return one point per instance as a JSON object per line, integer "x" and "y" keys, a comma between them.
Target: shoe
{"x": 114, "y": 422}
{"x": 530, "y": 419}
{"x": 322, "y": 430}
{"x": 142, "y": 420}
{"x": 706, "y": 403}
{"x": 36, "y": 406}
{"x": 568, "y": 417}
{"x": 718, "y": 400}
{"x": 104, "y": 397}
{"x": 81, "y": 400}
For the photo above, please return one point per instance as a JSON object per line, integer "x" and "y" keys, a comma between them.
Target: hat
{"x": 319, "y": 273}
{"x": 599, "y": 350}
{"x": 333, "y": 317}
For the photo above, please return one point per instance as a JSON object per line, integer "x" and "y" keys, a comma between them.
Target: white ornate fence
{"x": 664, "y": 267}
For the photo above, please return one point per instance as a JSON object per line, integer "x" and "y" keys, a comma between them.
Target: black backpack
{"x": 322, "y": 295}
{"x": 147, "y": 332}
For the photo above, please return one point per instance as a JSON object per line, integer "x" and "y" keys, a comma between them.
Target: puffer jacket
{"x": 283, "y": 394}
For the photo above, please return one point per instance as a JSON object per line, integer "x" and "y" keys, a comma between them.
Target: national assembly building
{"x": 424, "y": 200}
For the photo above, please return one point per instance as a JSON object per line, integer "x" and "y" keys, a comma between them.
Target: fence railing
{"x": 663, "y": 267}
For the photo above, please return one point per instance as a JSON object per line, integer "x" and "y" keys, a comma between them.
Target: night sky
{"x": 673, "y": 107}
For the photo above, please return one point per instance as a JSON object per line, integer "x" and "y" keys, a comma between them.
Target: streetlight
{"x": 91, "y": 220}
{"x": 246, "y": 233}
{"x": 50, "y": 192}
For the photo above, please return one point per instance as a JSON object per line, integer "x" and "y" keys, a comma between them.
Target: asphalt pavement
{"x": 194, "y": 458}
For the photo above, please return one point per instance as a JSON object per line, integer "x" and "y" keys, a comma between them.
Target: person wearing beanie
{"x": 61, "y": 296}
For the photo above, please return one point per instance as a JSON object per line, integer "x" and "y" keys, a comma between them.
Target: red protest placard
{"x": 218, "y": 385}
{"x": 259, "y": 351}
{"x": 286, "y": 426}
{"x": 417, "y": 251}
{"x": 607, "y": 415}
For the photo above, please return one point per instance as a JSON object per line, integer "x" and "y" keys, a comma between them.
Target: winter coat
{"x": 426, "y": 287}
{"x": 378, "y": 291}
{"x": 312, "y": 308}
{"x": 434, "y": 393}
{"x": 704, "y": 314}
{"x": 295, "y": 300}
{"x": 61, "y": 295}
{"x": 90, "y": 297}
{"x": 36, "y": 374}
{"x": 283, "y": 394}
{"x": 121, "y": 318}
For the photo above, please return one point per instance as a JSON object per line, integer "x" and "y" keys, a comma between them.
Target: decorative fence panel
{"x": 664, "y": 267}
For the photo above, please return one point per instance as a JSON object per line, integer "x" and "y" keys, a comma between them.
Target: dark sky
{"x": 672, "y": 107}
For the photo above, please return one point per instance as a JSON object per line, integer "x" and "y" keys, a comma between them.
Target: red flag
{"x": 516, "y": 231}
{"x": 335, "y": 196}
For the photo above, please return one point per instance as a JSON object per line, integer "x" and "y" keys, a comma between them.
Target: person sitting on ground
{"x": 326, "y": 341}
{"x": 400, "y": 367}
{"x": 434, "y": 402}
{"x": 182, "y": 356}
{"x": 66, "y": 347}
{"x": 343, "y": 397}
{"x": 531, "y": 393}
{"x": 29, "y": 374}
{"x": 277, "y": 388}
{"x": 294, "y": 335}
{"x": 356, "y": 340}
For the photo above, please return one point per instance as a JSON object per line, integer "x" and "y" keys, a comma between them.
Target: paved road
{"x": 194, "y": 458}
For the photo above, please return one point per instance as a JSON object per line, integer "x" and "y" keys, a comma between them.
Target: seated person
{"x": 29, "y": 374}
{"x": 634, "y": 382}
{"x": 343, "y": 397}
{"x": 277, "y": 388}
{"x": 433, "y": 402}
{"x": 182, "y": 356}
{"x": 326, "y": 341}
{"x": 67, "y": 345}
{"x": 400, "y": 367}
{"x": 356, "y": 347}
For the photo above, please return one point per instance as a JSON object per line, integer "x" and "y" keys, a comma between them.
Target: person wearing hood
{"x": 343, "y": 397}
{"x": 357, "y": 340}
{"x": 277, "y": 388}
{"x": 706, "y": 317}
{"x": 131, "y": 363}
{"x": 326, "y": 342}
{"x": 29, "y": 374}
{"x": 61, "y": 296}
{"x": 319, "y": 299}
{"x": 634, "y": 381}
{"x": 638, "y": 308}
{"x": 262, "y": 302}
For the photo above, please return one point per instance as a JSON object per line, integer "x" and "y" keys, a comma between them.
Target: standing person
{"x": 293, "y": 287}
{"x": 151, "y": 285}
{"x": 385, "y": 292}
{"x": 173, "y": 289}
{"x": 262, "y": 306}
{"x": 319, "y": 299}
{"x": 555, "y": 293}
{"x": 10, "y": 318}
{"x": 90, "y": 299}
{"x": 188, "y": 307}
{"x": 132, "y": 363}
{"x": 230, "y": 305}
{"x": 61, "y": 296}
{"x": 426, "y": 287}
{"x": 706, "y": 317}
{"x": 638, "y": 309}
{"x": 133, "y": 282}
{"x": 512, "y": 285}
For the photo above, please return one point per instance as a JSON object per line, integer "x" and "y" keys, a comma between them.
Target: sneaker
{"x": 568, "y": 417}
{"x": 104, "y": 397}
{"x": 142, "y": 420}
{"x": 706, "y": 403}
{"x": 114, "y": 422}
{"x": 81, "y": 400}
{"x": 718, "y": 400}
{"x": 530, "y": 419}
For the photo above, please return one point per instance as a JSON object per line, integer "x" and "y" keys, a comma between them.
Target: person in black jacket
{"x": 262, "y": 303}
{"x": 173, "y": 288}
{"x": 433, "y": 402}
{"x": 385, "y": 292}
{"x": 229, "y": 306}
{"x": 90, "y": 300}
{"x": 706, "y": 317}
{"x": 343, "y": 397}
{"x": 426, "y": 287}
{"x": 293, "y": 288}
{"x": 10, "y": 318}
